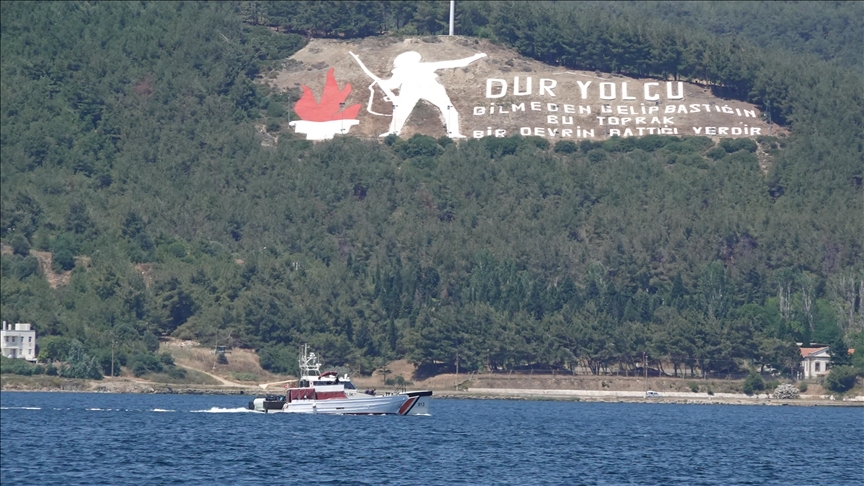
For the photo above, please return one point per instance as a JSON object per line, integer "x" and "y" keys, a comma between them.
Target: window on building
{"x": 30, "y": 339}
{"x": 817, "y": 366}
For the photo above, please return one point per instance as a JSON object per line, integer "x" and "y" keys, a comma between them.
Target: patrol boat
{"x": 327, "y": 392}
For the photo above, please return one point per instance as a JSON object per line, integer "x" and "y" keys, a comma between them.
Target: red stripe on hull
{"x": 407, "y": 406}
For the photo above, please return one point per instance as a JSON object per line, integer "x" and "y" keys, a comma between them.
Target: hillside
{"x": 149, "y": 158}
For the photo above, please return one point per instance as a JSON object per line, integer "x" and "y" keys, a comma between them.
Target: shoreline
{"x": 529, "y": 394}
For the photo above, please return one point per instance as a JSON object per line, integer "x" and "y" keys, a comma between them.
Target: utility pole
{"x": 452, "y": 9}
{"x": 457, "y": 367}
{"x": 645, "y": 366}
{"x": 216, "y": 351}
{"x": 112, "y": 357}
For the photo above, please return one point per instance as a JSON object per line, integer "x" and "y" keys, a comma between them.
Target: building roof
{"x": 811, "y": 352}
{"x": 805, "y": 352}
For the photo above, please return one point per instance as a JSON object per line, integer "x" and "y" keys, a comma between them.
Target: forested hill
{"x": 140, "y": 198}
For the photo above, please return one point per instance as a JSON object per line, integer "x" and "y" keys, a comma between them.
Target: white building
{"x": 814, "y": 362}
{"x": 19, "y": 342}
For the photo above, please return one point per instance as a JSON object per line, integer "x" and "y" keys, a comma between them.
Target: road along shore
{"x": 609, "y": 396}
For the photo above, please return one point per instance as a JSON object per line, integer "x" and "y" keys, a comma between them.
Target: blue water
{"x": 89, "y": 439}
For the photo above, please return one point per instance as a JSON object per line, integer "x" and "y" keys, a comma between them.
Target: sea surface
{"x": 115, "y": 439}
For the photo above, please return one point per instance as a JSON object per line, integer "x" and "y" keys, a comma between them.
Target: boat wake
{"x": 225, "y": 410}
{"x": 20, "y": 408}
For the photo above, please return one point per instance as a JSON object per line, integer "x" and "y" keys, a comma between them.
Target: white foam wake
{"x": 162, "y": 410}
{"x": 225, "y": 410}
{"x": 20, "y": 408}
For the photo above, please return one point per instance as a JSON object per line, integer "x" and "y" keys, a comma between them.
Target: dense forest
{"x": 130, "y": 155}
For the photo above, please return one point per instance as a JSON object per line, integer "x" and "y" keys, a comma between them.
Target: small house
{"x": 18, "y": 341}
{"x": 815, "y": 361}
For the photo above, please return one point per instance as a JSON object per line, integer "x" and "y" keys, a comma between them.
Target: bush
{"x": 177, "y": 373}
{"x": 27, "y": 266}
{"x": 166, "y": 359}
{"x": 143, "y": 363}
{"x": 53, "y": 347}
{"x": 151, "y": 341}
{"x": 419, "y": 146}
{"x": 500, "y": 147}
{"x": 539, "y": 142}
{"x": 104, "y": 358}
{"x": 694, "y": 387}
{"x": 596, "y": 155}
{"x": 19, "y": 244}
{"x": 566, "y": 147}
{"x": 277, "y": 359}
{"x": 732, "y": 145}
{"x": 786, "y": 392}
{"x": 753, "y": 383}
{"x": 716, "y": 153}
{"x": 80, "y": 364}
{"x": 19, "y": 367}
{"x": 221, "y": 359}
{"x": 802, "y": 387}
{"x": 63, "y": 249}
{"x": 650, "y": 143}
{"x": 840, "y": 379}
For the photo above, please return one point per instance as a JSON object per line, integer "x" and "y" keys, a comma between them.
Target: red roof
{"x": 808, "y": 351}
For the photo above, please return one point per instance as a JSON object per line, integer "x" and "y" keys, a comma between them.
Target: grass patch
{"x": 191, "y": 377}
{"x": 245, "y": 377}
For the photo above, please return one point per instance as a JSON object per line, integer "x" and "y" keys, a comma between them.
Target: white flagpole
{"x": 452, "y": 9}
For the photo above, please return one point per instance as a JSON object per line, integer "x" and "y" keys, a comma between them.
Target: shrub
{"x": 650, "y": 143}
{"x": 19, "y": 244}
{"x": 244, "y": 376}
{"x": 177, "y": 250}
{"x": 166, "y": 359}
{"x": 802, "y": 387}
{"x": 694, "y": 387}
{"x": 104, "y": 358}
{"x": 588, "y": 145}
{"x": 840, "y": 379}
{"x": 500, "y": 147}
{"x": 27, "y": 266}
{"x": 786, "y": 392}
{"x": 19, "y": 367}
{"x": 221, "y": 359}
{"x": 177, "y": 373}
{"x": 151, "y": 341}
{"x": 539, "y": 142}
{"x": 80, "y": 364}
{"x": 716, "y": 153}
{"x": 596, "y": 155}
{"x": 419, "y": 146}
{"x": 143, "y": 363}
{"x": 276, "y": 359}
{"x": 275, "y": 110}
{"x": 53, "y": 347}
{"x": 732, "y": 145}
{"x": 63, "y": 249}
{"x": 753, "y": 383}
{"x": 566, "y": 147}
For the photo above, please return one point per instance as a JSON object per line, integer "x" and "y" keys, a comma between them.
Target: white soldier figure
{"x": 417, "y": 81}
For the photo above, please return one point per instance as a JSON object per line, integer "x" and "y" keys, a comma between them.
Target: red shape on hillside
{"x": 328, "y": 109}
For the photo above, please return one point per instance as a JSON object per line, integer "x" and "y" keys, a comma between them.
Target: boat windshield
{"x": 348, "y": 385}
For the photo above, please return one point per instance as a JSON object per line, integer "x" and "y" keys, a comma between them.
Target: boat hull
{"x": 408, "y": 403}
